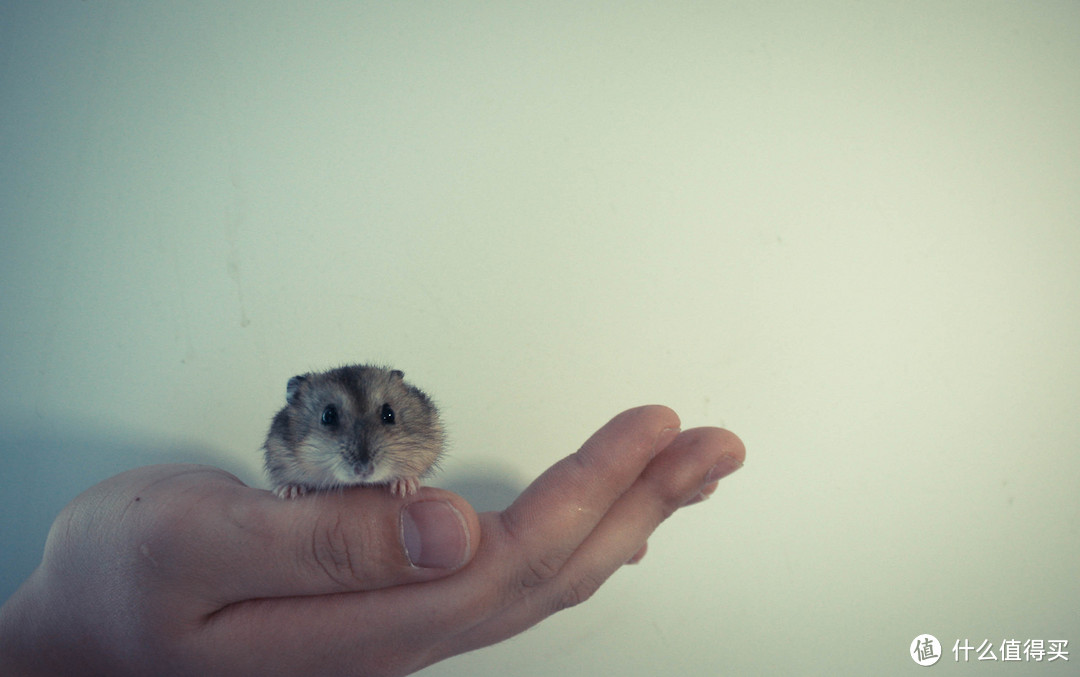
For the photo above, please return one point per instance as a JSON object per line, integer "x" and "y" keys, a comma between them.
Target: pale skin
{"x": 184, "y": 570}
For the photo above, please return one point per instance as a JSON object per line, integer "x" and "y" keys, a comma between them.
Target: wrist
{"x": 25, "y": 650}
{"x": 15, "y": 645}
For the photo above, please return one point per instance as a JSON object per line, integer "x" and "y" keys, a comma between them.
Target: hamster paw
{"x": 404, "y": 486}
{"x": 287, "y": 491}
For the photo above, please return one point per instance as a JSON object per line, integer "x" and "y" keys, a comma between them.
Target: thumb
{"x": 358, "y": 539}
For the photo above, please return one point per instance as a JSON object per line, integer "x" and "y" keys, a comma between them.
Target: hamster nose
{"x": 362, "y": 470}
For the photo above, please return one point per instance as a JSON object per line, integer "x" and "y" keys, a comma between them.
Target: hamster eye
{"x": 329, "y": 415}
{"x": 387, "y": 415}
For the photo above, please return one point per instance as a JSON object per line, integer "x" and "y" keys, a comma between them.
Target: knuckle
{"x": 665, "y": 498}
{"x": 539, "y": 570}
{"x": 577, "y": 591}
{"x": 668, "y": 504}
{"x": 332, "y": 552}
{"x": 535, "y": 569}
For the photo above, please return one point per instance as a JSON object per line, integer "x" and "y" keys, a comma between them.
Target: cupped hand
{"x": 182, "y": 570}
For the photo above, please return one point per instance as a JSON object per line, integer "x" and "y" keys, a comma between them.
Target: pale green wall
{"x": 848, "y": 231}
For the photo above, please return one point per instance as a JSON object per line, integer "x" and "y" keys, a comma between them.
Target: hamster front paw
{"x": 287, "y": 491}
{"x": 404, "y": 486}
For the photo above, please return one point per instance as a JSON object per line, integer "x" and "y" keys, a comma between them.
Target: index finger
{"x": 565, "y": 503}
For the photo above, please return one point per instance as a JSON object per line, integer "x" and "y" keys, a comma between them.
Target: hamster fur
{"x": 357, "y": 424}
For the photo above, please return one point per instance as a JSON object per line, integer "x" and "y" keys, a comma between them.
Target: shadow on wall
{"x": 486, "y": 487}
{"x": 45, "y": 469}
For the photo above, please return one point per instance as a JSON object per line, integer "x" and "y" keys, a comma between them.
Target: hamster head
{"x": 357, "y": 424}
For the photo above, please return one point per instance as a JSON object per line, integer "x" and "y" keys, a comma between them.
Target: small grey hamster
{"x": 357, "y": 424}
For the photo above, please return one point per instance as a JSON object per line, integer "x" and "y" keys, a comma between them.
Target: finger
{"x": 246, "y": 543}
{"x": 558, "y": 510}
{"x": 706, "y": 491}
{"x": 639, "y": 555}
{"x": 696, "y": 459}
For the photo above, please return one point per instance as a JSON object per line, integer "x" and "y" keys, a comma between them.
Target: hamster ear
{"x": 398, "y": 374}
{"x": 292, "y": 389}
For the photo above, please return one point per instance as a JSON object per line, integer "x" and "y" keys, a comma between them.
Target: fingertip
{"x": 650, "y": 428}
{"x": 733, "y": 444}
{"x": 727, "y": 442}
{"x": 434, "y": 535}
{"x": 655, "y": 416}
{"x": 639, "y": 555}
{"x": 706, "y": 491}
{"x": 439, "y": 530}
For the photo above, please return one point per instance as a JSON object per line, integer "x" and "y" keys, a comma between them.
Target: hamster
{"x": 357, "y": 424}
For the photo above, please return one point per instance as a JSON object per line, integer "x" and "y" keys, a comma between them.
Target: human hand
{"x": 184, "y": 570}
